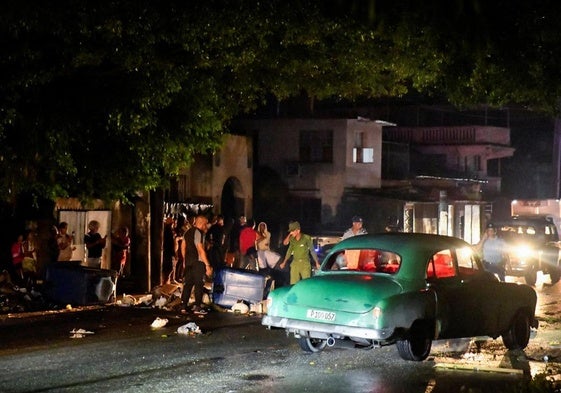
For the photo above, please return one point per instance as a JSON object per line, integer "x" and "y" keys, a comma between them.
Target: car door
{"x": 459, "y": 292}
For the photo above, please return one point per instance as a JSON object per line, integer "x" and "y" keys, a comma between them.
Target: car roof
{"x": 525, "y": 220}
{"x": 391, "y": 240}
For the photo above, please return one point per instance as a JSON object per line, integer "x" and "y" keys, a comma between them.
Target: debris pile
{"x": 15, "y": 299}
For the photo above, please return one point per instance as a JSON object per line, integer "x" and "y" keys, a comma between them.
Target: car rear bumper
{"x": 325, "y": 330}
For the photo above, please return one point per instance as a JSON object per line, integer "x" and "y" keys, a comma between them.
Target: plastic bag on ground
{"x": 159, "y": 322}
{"x": 190, "y": 328}
{"x": 79, "y": 333}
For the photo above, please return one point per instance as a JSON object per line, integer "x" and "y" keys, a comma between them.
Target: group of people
{"x": 60, "y": 247}
{"x": 199, "y": 250}
{"x": 186, "y": 256}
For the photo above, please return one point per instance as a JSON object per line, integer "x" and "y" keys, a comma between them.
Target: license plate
{"x": 321, "y": 315}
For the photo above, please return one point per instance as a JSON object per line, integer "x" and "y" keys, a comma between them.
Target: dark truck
{"x": 532, "y": 245}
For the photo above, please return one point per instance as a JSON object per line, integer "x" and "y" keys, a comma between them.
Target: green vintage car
{"x": 406, "y": 289}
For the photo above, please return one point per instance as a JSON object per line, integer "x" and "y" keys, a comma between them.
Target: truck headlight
{"x": 523, "y": 252}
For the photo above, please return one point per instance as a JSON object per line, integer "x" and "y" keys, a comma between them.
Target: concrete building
{"x": 219, "y": 183}
{"x": 470, "y": 152}
{"x": 421, "y": 179}
{"x": 319, "y": 159}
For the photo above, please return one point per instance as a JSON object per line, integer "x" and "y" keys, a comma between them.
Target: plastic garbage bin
{"x": 68, "y": 283}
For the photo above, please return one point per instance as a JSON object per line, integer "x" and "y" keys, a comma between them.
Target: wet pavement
{"x": 44, "y": 330}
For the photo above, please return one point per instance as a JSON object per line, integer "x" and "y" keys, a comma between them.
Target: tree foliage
{"x": 99, "y": 99}
{"x": 104, "y": 98}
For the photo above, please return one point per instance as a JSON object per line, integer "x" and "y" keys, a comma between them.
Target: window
{"x": 466, "y": 262}
{"x": 441, "y": 265}
{"x": 316, "y": 146}
{"x": 476, "y": 163}
{"x": 365, "y": 260}
{"x": 363, "y": 155}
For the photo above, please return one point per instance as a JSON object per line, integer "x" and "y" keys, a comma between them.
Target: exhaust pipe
{"x": 330, "y": 341}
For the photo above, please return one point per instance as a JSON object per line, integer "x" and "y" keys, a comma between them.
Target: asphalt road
{"x": 234, "y": 353}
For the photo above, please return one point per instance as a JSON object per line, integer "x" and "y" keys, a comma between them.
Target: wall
{"x": 278, "y": 148}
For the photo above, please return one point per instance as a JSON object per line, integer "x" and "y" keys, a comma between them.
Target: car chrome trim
{"x": 295, "y": 325}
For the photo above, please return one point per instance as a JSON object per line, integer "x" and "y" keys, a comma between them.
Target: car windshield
{"x": 526, "y": 232}
{"x": 364, "y": 260}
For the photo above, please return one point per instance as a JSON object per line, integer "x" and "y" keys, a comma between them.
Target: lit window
{"x": 363, "y": 155}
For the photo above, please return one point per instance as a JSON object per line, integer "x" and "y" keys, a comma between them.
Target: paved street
{"x": 234, "y": 353}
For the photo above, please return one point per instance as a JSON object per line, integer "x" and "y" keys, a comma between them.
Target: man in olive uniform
{"x": 300, "y": 247}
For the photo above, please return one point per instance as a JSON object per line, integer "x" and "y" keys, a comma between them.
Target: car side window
{"x": 467, "y": 264}
{"x": 441, "y": 265}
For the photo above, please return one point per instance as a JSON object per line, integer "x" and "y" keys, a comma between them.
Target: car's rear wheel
{"x": 312, "y": 344}
{"x": 518, "y": 334}
{"x": 416, "y": 346}
{"x": 531, "y": 275}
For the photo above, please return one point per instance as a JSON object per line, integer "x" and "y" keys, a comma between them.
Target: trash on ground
{"x": 79, "y": 333}
{"x": 146, "y": 299}
{"x": 159, "y": 322}
{"x": 257, "y": 308}
{"x": 161, "y": 302}
{"x": 190, "y": 328}
{"x": 128, "y": 300}
{"x": 477, "y": 368}
{"x": 166, "y": 290}
{"x": 240, "y": 307}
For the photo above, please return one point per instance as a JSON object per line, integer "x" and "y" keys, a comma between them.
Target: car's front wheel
{"x": 554, "y": 274}
{"x": 531, "y": 275}
{"x": 312, "y": 344}
{"x": 518, "y": 334}
{"x": 416, "y": 346}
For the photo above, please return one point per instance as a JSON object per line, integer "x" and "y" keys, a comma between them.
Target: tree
{"x": 104, "y": 99}
{"x": 101, "y": 99}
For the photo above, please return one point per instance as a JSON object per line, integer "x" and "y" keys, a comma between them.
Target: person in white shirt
{"x": 356, "y": 229}
{"x": 493, "y": 250}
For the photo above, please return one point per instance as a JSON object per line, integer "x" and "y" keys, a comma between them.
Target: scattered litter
{"x": 240, "y": 307}
{"x": 166, "y": 290}
{"x": 79, "y": 333}
{"x": 161, "y": 302}
{"x": 256, "y": 308}
{"x": 477, "y": 368}
{"x": 554, "y": 344}
{"x": 159, "y": 322}
{"x": 147, "y": 299}
{"x": 128, "y": 300}
{"x": 191, "y": 328}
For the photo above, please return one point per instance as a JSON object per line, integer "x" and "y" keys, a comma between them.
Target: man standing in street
{"x": 356, "y": 229}
{"x": 196, "y": 265}
{"x": 300, "y": 247}
{"x": 493, "y": 250}
{"x": 216, "y": 239}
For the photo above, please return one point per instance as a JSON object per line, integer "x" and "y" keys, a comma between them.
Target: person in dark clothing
{"x": 216, "y": 240}
{"x": 179, "y": 266}
{"x": 234, "y": 246}
{"x": 168, "y": 252}
{"x": 196, "y": 265}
